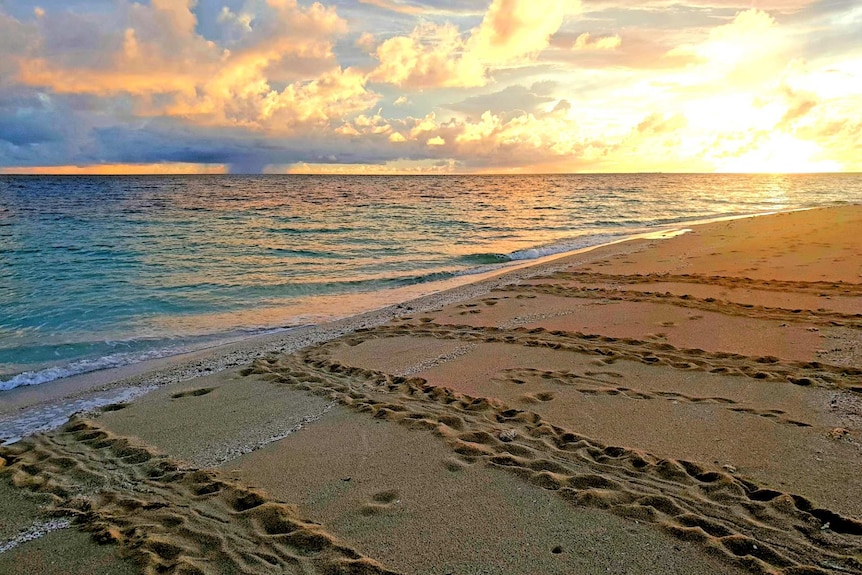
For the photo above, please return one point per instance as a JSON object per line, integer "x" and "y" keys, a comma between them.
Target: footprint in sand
{"x": 538, "y": 397}
{"x": 193, "y": 392}
{"x": 381, "y": 502}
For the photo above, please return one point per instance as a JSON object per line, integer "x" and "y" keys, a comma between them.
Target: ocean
{"x": 103, "y": 271}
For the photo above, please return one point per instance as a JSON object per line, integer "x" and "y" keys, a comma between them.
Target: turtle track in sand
{"x": 811, "y": 317}
{"x": 602, "y": 383}
{"x": 612, "y": 349}
{"x": 760, "y": 529}
{"x": 169, "y": 518}
{"x": 817, "y": 287}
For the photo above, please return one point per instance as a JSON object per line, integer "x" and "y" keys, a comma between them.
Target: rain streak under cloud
{"x": 409, "y": 86}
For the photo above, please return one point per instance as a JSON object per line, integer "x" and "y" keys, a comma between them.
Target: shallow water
{"x": 103, "y": 271}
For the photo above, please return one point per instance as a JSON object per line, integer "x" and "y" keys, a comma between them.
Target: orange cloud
{"x": 174, "y": 71}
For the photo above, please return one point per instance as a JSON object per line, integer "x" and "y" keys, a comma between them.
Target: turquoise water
{"x": 104, "y": 271}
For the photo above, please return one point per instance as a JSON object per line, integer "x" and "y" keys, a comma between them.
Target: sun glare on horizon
{"x": 780, "y": 154}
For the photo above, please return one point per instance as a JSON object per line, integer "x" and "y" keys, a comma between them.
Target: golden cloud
{"x": 516, "y": 29}
{"x": 174, "y": 71}
{"x": 427, "y": 58}
{"x": 437, "y": 55}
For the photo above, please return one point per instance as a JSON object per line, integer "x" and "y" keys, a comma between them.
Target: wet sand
{"x": 684, "y": 405}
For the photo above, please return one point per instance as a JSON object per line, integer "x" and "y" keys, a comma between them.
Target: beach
{"x": 684, "y": 403}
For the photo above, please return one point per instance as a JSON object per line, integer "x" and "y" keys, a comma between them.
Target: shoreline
{"x": 53, "y": 400}
{"x": 162, "y": 371}
{"x": 398, "y": 295}
{"x": 689, "y": 405}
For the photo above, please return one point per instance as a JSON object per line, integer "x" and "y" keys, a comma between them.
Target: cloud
{"x": 516, "y": 29}
{"x": 489, "y": 142}
{"x": 392, "y": 167}
{"x": 583, "y": 42}
{"x": 741, "y": 48}
{"x": 437, "y": 55}
{"x": 120, "y": 169}
{"x": 35, "y": 129}
{"x": 511, "y": 98}
{"x": 395, "y": 6}
{"x": 440, "y": 86}
{"x": 170, "y": 69}
{"x": 799, "y": 105}
{"x": 242, "y": 98}
{"x": 658, "y": 123}
{"x": 663, "y": 6}
{"x": 420, "y": 8}
{"x": 643, "y": 48}
{"x": 16, "y": 40}
{"x": 427, "y": 58}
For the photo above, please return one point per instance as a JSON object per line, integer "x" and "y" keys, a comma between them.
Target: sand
{"x": 682, "y": 405}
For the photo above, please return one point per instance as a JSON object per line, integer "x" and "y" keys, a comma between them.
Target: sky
{"x": 430, "y": 86}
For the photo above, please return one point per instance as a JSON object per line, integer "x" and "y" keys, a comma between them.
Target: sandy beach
{"x": 689, "y": 404}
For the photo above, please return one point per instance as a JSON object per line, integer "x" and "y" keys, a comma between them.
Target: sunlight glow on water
{"x": 95, "y": 267}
